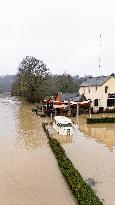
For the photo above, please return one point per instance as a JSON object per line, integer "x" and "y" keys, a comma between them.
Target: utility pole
{"x": 100, "y": 60}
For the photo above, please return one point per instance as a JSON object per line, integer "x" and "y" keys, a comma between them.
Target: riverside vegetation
{"x": 34, "y": 81}
{"x": 81, "y": 190}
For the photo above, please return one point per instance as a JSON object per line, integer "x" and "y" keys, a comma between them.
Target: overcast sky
{"x": 62, "y": 33}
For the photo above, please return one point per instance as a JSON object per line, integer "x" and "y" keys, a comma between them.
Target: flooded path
{"x": 29, "y": 174}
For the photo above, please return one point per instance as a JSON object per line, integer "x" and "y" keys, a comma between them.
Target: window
{"x": 106, "y": 89}
{"x": 96, "y": 102}
{"x": 110, "y": 102}
{"x": 89, "y": 90}
{"x": 64, "y": 125}
{"x": 96, "y": 88}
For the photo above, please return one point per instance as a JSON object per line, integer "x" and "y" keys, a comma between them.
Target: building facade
{"x": 101, "y": 91}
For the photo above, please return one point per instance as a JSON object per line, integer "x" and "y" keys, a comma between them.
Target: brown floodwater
{"x": 99, "y": 147}
{"x": 92, "y": 151}
{"x": 29, "y": 174}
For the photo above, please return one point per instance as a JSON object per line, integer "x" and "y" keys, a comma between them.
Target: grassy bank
{"x": 81, "y": 190}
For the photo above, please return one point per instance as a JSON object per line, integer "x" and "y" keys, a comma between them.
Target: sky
{"x": 65, "y": 34}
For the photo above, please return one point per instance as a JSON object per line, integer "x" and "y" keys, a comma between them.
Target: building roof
{"x": 95, "y": 81}
{"x": 73, "y": 97}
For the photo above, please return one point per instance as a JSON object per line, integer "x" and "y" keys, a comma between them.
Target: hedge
{"x": 81, "y": 190}
{"x": 101, "y": 120}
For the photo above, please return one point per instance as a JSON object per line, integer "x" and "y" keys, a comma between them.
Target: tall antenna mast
{"x": 100, "y": 45}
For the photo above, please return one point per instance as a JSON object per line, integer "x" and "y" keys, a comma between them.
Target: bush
{"x": 101, "y": 120}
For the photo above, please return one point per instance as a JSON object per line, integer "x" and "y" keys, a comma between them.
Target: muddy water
{"x": 28, "y": 170}
{"x": 92, "y": 150}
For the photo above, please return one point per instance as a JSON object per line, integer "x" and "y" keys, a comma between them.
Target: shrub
{"x": 101, "y": 120}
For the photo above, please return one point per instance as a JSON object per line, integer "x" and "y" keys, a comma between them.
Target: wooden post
{"x": 42, "y": 109}
{"x": 69, "y": 111}
{"x": 55, "y": 112}
{"x": 36, "y": 111}
{"x": 51, "y": 116}
{"x": 90, "y": 111}
{"x": 77, "y": 110}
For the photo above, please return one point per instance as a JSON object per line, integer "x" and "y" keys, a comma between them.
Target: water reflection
{"x": 30, "y": 132}
{"x": 63, "y": 139}
{"x": 29, "y": 174}
{"x": 93, "y": 154}
{"x": 102, "y": 133}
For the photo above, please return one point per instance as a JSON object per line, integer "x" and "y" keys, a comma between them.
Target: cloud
{"x": 65, "y": 34}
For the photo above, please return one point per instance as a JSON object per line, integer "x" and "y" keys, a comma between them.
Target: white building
{"x": 100, "y": 90}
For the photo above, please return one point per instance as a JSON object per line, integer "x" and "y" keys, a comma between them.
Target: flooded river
{"x": 29, "y": 174}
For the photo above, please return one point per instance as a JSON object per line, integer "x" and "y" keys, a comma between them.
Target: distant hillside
{"x": 6, "y": 82}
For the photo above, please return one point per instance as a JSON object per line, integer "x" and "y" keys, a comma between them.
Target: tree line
{"x": 6, "y": 82}
{"x": 34, "y": 81}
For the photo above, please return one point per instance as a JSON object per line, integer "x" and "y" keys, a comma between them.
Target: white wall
{"x": 99, "y": 93}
